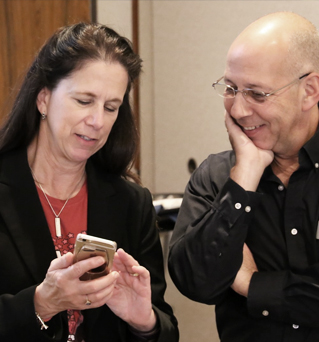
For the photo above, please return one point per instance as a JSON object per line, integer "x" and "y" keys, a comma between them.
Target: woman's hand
{"x": 62, "y": 289}
{"x": 131, "y": 297}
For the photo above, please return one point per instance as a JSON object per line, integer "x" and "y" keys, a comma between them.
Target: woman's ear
{"x": 311, "y": 98}
{"x": 43, "y": 99}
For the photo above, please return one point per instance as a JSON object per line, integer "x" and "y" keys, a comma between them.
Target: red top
{"x": 73, "y": 221}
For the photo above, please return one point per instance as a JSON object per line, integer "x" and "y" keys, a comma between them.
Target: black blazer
{"x": 117, "y": 210}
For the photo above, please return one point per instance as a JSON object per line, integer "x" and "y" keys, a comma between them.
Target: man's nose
{"x": 240, "y": 108}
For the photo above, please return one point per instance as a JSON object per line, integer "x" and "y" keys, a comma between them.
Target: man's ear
{"x": 311, "y": 98}
{"x": 43, "y": 99}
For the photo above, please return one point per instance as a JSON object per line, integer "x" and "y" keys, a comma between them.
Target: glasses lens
{"x": 224, "y": 90}
{"x": 253, "y": 96}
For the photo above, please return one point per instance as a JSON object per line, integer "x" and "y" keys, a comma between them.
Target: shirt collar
{"x": 308, "y": 158}
{"x": 310, "y": 149}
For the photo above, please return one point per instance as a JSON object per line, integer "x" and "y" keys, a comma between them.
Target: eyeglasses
{"x": 251, "y": 95}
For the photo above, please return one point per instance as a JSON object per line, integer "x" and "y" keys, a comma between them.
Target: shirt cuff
{"x": 265, "y": 295}
{"x": 235, "y": 200}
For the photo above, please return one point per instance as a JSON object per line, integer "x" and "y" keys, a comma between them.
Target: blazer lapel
{"x": 107, "y": 207}
{"x": 23, "y": 214}
{"x": 107, "y": 215}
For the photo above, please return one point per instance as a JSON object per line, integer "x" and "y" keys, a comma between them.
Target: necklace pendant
{"x": 58, "y": 227}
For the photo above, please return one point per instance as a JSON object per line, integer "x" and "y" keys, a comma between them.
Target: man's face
{"x": 276, "y": 124}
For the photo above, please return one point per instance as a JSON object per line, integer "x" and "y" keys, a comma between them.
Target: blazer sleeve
{"x": 149, "y": 255}
{"x": 18, "y": 321}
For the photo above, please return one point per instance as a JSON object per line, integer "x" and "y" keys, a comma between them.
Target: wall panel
{"x": 24, "y": 27}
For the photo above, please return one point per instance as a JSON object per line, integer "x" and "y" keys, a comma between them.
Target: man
{"x": 246, "y": 238}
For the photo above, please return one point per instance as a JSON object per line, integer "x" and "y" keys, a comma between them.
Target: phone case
{"x": 87, "y": 246}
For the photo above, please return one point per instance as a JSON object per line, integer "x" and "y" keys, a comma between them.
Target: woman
{"x": 65, "y": 153}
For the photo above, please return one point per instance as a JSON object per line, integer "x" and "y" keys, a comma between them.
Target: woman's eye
{"x": 111, "y": 110}
{"x": 83, "y": 102}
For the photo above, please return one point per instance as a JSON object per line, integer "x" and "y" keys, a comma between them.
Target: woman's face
{"x": 81, "y": 110}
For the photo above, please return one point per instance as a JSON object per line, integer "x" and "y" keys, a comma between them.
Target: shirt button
{"x": 248, "y": 209}
{"x": 265, "y": 313}
{"x": 280, "y": 187}
{"x": 294, "y": 231}
{"x": 316, "y": 165}
{"x": 237, "y": 205}
{"x": 295, "y": 326}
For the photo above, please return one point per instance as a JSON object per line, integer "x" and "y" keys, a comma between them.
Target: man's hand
{"x": 251, "y": 161}
{"x": 243, "y": 278}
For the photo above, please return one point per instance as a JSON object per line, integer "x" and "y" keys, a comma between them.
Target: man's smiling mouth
{"x": 250, "y": 128}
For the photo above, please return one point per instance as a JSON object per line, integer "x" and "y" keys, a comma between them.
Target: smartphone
{"x": 87, "y": 246}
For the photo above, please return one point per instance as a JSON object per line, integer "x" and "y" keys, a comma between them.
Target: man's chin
{"x": 262, "y": 144}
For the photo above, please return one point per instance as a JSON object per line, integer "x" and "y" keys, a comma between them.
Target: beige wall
{"x": 117, "y": 14}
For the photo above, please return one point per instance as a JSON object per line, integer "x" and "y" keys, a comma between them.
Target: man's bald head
{"x": 277, "y": 55}
{"x": 294, "y": 40}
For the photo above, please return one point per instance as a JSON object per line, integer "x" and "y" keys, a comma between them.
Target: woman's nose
{"x": 96, "y": 118}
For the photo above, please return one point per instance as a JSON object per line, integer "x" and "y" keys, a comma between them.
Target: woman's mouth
{"x": 84, "y": 137}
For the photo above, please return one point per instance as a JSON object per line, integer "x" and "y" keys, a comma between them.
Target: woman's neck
{"x": 59, "y": 178}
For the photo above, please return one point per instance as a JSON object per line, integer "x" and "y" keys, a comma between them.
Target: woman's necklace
{"x": 57, "y": 219}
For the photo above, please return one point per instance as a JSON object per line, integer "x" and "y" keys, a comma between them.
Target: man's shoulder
{"x": 219, "y": 162}
{"x": 213, "y": 171}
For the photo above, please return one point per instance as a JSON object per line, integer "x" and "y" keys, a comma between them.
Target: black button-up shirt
{"x": 279, "y": 225}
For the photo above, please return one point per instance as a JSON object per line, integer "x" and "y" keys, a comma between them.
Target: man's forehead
{"x": 256, "y": 58}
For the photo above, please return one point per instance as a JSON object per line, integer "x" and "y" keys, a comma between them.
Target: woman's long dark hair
{"x": 65, "y": 52}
